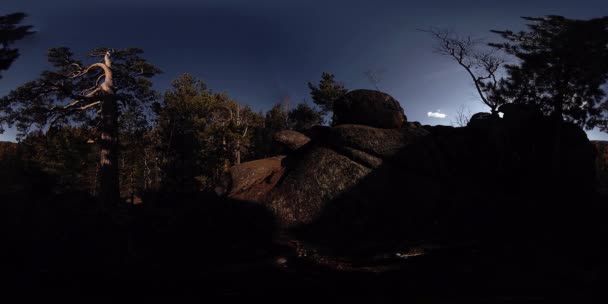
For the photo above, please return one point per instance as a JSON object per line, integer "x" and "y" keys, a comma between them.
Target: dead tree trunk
{"x": 109, "y": 187}
{"x": 109, "y": 193}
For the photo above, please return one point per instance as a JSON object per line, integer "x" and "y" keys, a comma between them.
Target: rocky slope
{"x": 374, "y": 177}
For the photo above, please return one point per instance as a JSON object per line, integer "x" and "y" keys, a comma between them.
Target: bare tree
{"x": 481, "y": 64}
{"x": 239, "y": 119}
{"x": 285, "y": 102}
{"x": 462, "y": 117}
{"x": 242, "y": 122}
{"x": 374, "y": 77}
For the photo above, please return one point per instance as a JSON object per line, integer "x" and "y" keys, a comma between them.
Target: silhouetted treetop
{"x": 483, "y": 65}
{"x": 563, "y": 66}
{"x": 327, "y": 92}
{"x": 10, "y": 32}
{"x": 78, "y": 93}
{"x": 303, "y": 117}
{"x": 71, "y": 92}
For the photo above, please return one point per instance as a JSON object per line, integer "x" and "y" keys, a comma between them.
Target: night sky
{"x": 259, "y": 51}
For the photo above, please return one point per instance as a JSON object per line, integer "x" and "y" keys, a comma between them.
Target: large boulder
{"x": 355, "y": 184}
{"x": 383, "y": 143}
{"x": 293, "y": 140}
{"x": 522, "y": 113}
{"x": 482, "y": 120}
{"x": 252, "y": 181}
{"x": 370, "y": 108}
{"x": 320, "y": 174}
{"x": 315, "y": 180}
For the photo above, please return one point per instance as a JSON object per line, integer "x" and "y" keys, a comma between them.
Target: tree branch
{"x": 69, "y": 109}
{"x": 89, "y": 105}
{"x": 464, "y": 52}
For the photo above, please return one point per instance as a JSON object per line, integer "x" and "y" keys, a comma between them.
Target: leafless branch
{"x": 462, "y": 117}
{"x": 481, "y": 65}
{"x": 374, "y": 77}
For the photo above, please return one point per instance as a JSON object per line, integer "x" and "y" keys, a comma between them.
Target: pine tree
{"x": 563, "y": 66}
{"x": 201, "y": 134}
{"x": 10, "y": 32}
{"x": 481, "y": 63}
{"x": 74, "y": 93}
{"x": 181, "y": 122}
{"x": 327, "y": 92}
{"x": 303, "y": 117}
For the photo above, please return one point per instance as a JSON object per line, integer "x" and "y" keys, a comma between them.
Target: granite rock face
{"x": 357, "y": 183}
{"x": 252, "y": 181}
{"x": 369, "y": 108}
{"x": 293, "y": 140}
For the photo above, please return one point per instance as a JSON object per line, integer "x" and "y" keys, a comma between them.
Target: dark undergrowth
{"x": 202, "y": 246}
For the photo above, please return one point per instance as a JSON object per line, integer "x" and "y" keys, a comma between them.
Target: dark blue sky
{"x": 258, "y": 51}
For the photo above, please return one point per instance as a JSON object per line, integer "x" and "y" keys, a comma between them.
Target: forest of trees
{"x": 558, "y": 65}
{"x": 100, "y": 127}
{"x": 96, "y": 124}
{"x": 120, "y": 183}
{"x": 181, "y": 142}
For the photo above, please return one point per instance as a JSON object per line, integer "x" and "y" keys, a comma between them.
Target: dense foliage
{"x": 562, "y": 68}
{"x": 181, "y": 142}
{"x": 186, "y": 139}
{"x": 326, "y": 92}
{"x": 10, "y": 32}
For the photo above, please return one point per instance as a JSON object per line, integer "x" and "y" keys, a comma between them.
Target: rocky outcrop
{"x": 368, "y": 182}
{"x": 383, "y": 143}
{"x": 326, "y": 162}
{"x": 252, "y": 181}
{"x": 314, "y": 181}
{"x": 370, "y": 108}
{"x": 520, "y": 112}
{"x": 481, "y": 120}
{"x": 293, "y": 140}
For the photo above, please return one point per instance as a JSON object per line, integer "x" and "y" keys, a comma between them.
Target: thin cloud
{"x": 436, "y": 115}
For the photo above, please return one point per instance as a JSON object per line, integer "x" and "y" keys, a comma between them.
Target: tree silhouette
{"x": 482, "y": 65}
{"x": 303, "y": 117}
{"x": 374, "y": 77}
{"x": 201, "y": 134}
{"x": 180, "y": 125}
{"x": 563, "y": 66}
{"x": 63, "y": 154}
{"x": 10, "y": 32}
{"x": 277, "y": 118}
{"x": 327, "y": 92}
{"x": 462, "y": 117}
{"x": 74, "y": 93}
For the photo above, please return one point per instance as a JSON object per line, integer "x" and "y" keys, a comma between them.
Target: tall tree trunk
{"x": 237, "y": 152}
{"x": 109, "y": 187}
